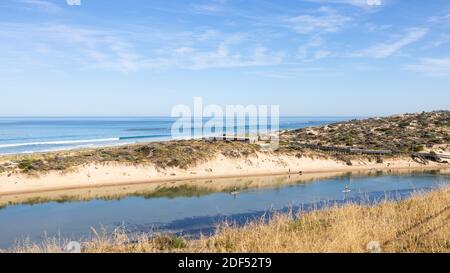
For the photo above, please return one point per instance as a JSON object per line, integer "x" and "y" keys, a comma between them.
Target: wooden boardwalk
{"x": 347, "y": 150}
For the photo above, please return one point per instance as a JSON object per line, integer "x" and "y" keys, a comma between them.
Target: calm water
{"x": 191, "y": 215}
{"x": 27, "y": 135}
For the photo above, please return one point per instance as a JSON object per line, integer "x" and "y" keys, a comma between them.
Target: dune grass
{"x": 401, "y": 133}
{"x": 418, "y": 224}
{"x": 181, "y": 154}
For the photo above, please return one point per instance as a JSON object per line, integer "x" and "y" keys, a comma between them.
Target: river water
{"x": 194, "y": 207}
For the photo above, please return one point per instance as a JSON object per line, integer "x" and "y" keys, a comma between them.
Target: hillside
{"x": 400, "y": 133}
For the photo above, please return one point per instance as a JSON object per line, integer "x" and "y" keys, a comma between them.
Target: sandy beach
{"x": 383, "y": 145}
{"x": 261, "y": 164}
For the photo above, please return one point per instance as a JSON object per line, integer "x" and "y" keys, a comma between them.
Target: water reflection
{"x": 191, "y": 207}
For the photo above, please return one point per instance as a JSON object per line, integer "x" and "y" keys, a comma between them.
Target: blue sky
{"x": 141, "y": 57}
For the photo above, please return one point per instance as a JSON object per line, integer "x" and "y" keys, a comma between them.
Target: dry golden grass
{"x": 418, "y": 224}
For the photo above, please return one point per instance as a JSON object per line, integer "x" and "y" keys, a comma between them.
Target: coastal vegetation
{"x": 418, "y": 224}
{"x": 181, "y": 154}
{"x": 401, "y": 134}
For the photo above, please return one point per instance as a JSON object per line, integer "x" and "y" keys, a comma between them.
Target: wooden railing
{"x": 348, "y": 150}
{"x": 421, "y": 158}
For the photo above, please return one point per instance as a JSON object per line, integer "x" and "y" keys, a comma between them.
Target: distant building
{"x": 225, "y": 138}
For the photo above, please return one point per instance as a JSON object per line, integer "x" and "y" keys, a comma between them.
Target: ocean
{"x": 19, "y": 135}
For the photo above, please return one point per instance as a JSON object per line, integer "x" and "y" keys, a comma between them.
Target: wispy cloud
{"x": 293, "y": 72}
{"x": 313, "y": 50}
{"x": 138, "y": 49}
{"x": 432, "y": 67}
{"x": 213, "y": 6}
{"x": 227, "y": 52}
{"x": 443, "y": 39}
{"x": 262, "y": 37}
{"x": 224, "y": 57}
{"x": 357, "y": 3}
{"x": 440, "y": 19}
{"x": 373, "y": 27}
{"x": 321, "y": 21}
{"x": 384, "y": 50}
{"x": 42, "y": 4}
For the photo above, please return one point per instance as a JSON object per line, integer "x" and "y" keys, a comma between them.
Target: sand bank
{"x": 261, "y": 164}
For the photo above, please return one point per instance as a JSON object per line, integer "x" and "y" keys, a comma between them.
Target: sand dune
{"x": 261, "y": 164}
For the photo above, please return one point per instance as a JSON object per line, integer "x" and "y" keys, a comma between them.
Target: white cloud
{"x": 293, "y": 72}
{"x": 73, "y": 2}
{"x": 440, "y": 19}
{"x": 320, "y": 54}
{"x": 42, "y": 4}
{"x": 372, "y": 27}
{"x": 223, "y": 57}
{"x": 357, "y": 3}
{"x": 136, "y": 50}
{"x": 384, "y": 50}
{"x": 325, "y": 20}
{"x": 432, "y": 66}
{"x": 444, "y": 39}
{"x": 312, "y": 50}
{"x": 374, "y": 2}
{"x": 224, "y": 51}
{"x": 314, "y": 43}
{"x": 441, "y": 40}
{"x": 213, "y": 6}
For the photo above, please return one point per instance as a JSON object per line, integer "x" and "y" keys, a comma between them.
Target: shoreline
{"x": 186, "y": 160}
{"x": 20, "y": 188}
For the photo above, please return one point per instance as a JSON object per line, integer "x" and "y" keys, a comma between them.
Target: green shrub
{"x": 170, "y": 242}
{"x": 28, "y": 165}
